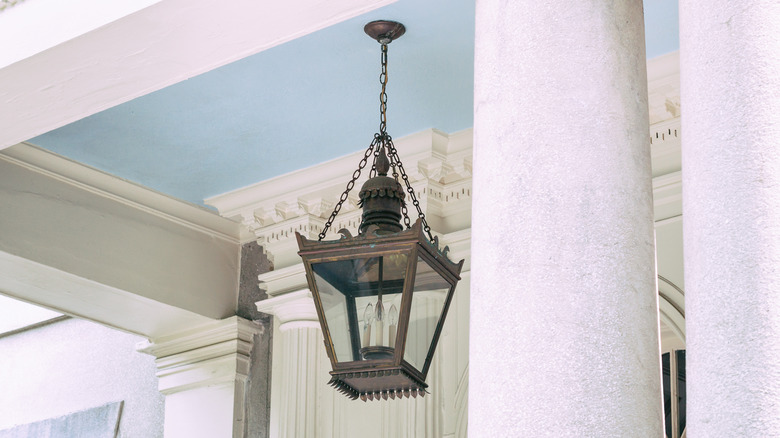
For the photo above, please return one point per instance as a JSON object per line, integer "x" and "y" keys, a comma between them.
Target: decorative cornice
{"x": 311, "y": 183}
{"x": 438, "y": 166}
{"x": 125, "y": 192}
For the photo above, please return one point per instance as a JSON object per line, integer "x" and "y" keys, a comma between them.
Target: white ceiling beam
{"x": 88, "y": 244}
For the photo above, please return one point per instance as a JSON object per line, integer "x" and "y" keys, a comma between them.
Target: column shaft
{"x": 564, "y": 321}
{"x": 730, "y": 95}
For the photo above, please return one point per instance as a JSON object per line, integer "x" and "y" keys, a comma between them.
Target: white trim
{"x": 282, "y": 281}
{"x": 439, "y": 169}
{"x": 325, "y": 176}
{"x": 212, "y": 332}
{"x": 294, "y": 309}
{"x": 667, "y": 198}
{"x": 663, "y": 86}
{"x": 203, "y": 372}
{"x": 92, "y": 180}
{"x": 213, "y": 353}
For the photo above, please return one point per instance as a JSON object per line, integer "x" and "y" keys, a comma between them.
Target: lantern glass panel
{"x": 428, "y": 298}
{"x": 349, "y": 290}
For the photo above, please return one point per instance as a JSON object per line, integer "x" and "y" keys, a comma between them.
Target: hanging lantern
{"x": 381, "y": 296}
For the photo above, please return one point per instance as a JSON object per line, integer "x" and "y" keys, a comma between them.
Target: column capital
{"x": 290, "y": 299}
{"x": 294, "y": 310}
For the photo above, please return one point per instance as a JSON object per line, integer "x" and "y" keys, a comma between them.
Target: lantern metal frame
{"x": 381, "y": 372}
{"x": 394, "y": 377}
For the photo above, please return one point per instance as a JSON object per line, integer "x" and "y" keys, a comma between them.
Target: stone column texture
{"x": 730, "y": 96}
{"x": 564, "y": 320}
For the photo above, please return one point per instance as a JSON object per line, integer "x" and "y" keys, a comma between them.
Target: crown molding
{"x": 326, "y": 177}
{"x": 92, "y": 180}
{"x": 438, "y": 165}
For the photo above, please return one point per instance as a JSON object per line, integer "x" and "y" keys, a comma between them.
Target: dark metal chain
{"x": 382, "y": 140}
{"x": 350, "y": 185}
{"x": 383, "y": 94}
{"x": 382, "y": 108}
{"x": 395, "y": 161}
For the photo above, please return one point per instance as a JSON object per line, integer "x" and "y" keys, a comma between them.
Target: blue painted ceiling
{"x": 298, "y": 104}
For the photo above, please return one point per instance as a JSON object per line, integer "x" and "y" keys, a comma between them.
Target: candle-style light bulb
{"x": 379, "y": 322}
{"x": 368, "y": 316}
{"x": 392, "y": 320}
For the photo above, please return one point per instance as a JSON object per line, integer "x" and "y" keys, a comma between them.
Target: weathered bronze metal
{"x": 384, "y": 31}
{"x": 374, "y": 373}
{"x": 381, "y": 198}
{"x": 381, "y": 296}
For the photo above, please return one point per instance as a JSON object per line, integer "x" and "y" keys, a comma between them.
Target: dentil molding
{"x": 439, "y": 170}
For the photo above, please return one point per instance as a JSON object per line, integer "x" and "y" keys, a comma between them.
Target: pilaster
{"x": 203, "y": 374}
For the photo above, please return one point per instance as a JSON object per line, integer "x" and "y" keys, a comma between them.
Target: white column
{"x": 299, "y": 347}
{"x": 730, "y": 97}
{"x": 203, "y": 373}
{"x": 564, "y": 320}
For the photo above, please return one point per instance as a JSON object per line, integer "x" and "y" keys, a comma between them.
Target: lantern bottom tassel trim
{"x": 359, "y": 385}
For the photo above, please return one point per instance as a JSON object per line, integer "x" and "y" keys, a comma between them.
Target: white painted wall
{"x": 73, "y": 365}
